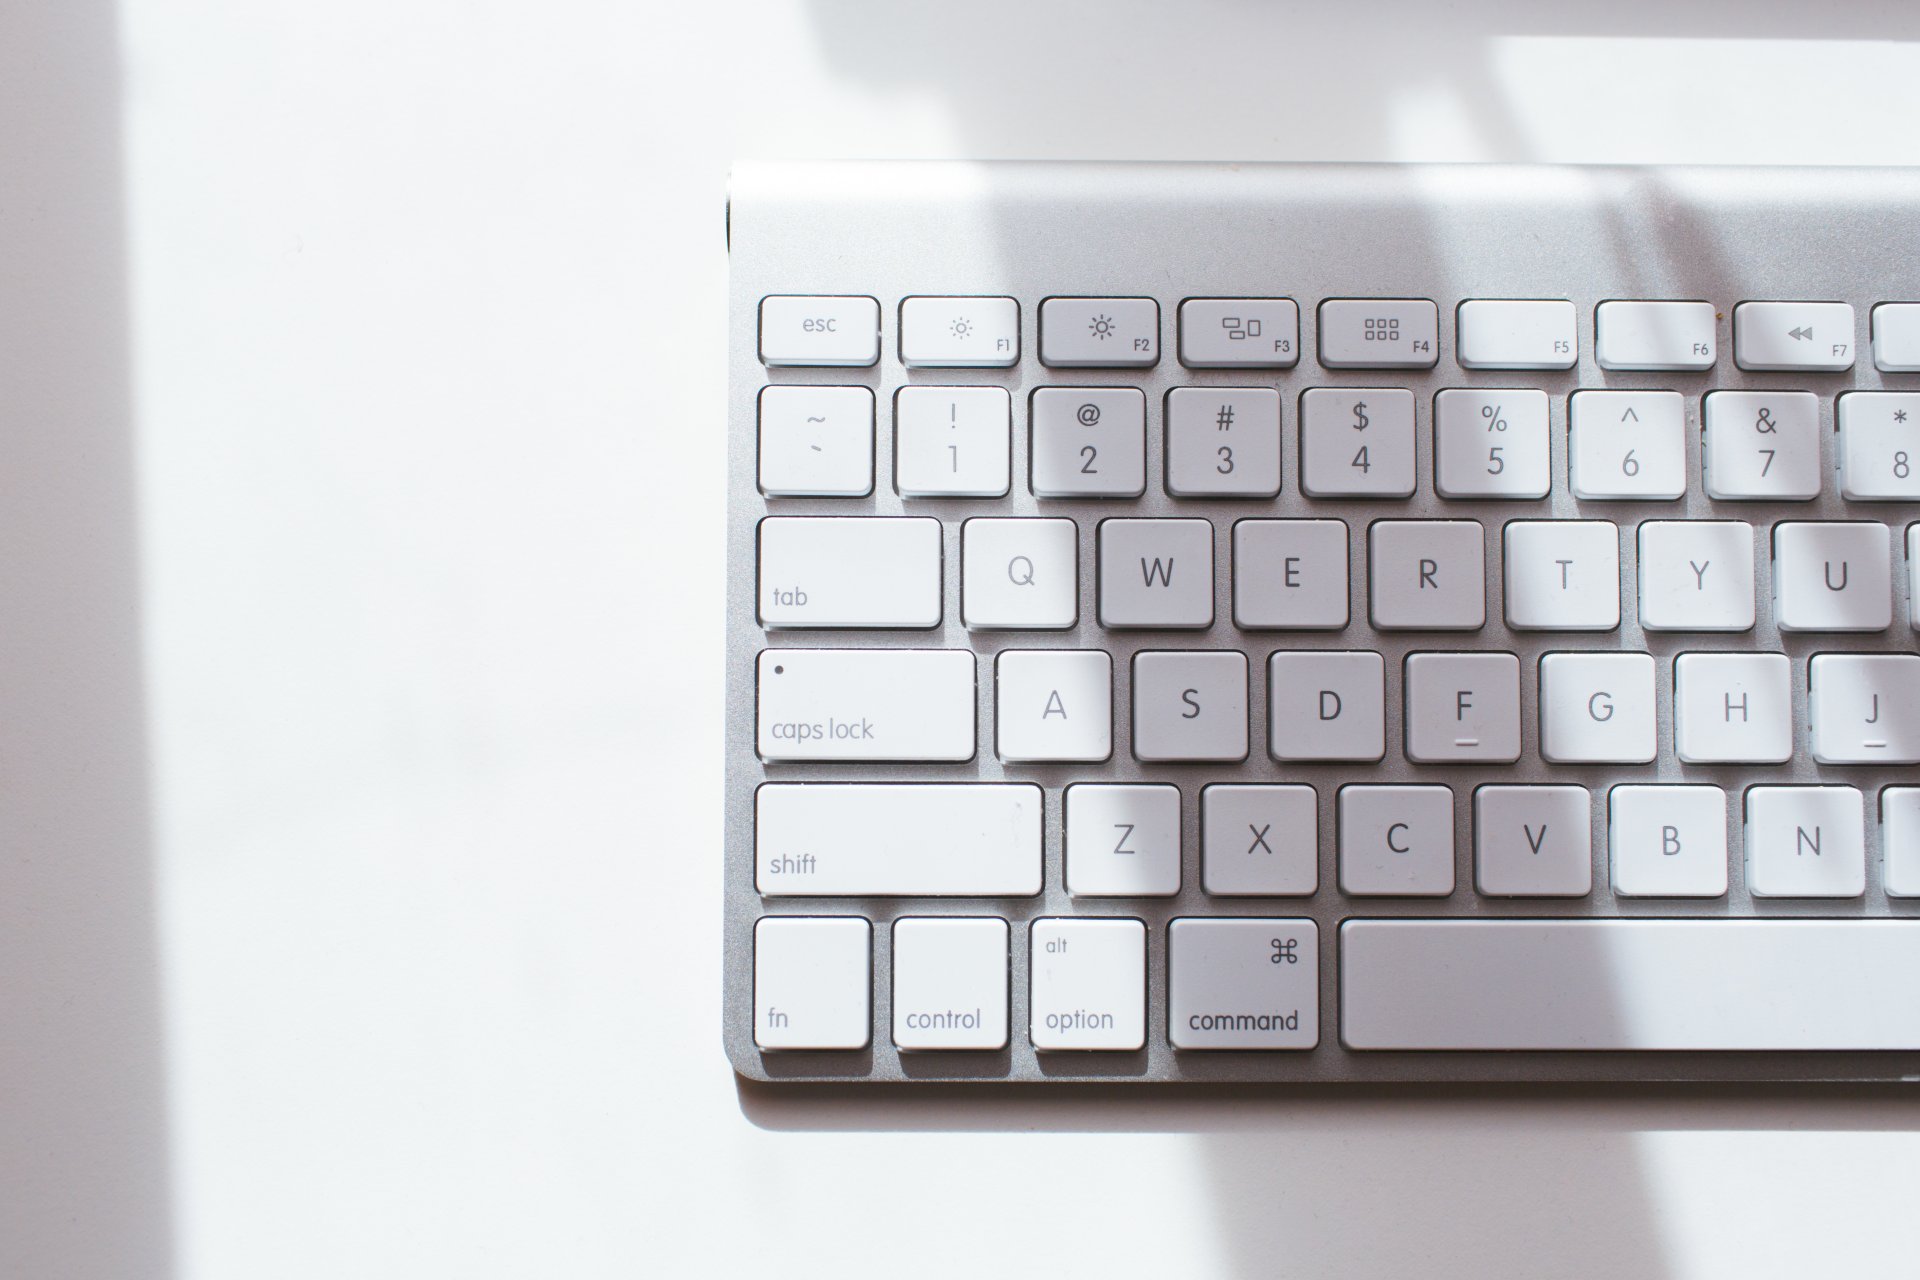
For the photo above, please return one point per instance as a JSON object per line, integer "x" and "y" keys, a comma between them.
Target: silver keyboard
{"x": 1241, "y": 623}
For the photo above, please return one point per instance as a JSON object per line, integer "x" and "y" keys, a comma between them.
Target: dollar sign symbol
{"x": 1359, "y": 415}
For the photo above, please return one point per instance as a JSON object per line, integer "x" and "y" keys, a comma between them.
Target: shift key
{"x": 866, "y": 704}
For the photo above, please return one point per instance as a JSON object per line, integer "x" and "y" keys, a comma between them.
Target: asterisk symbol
{"x": 1899, "y": 415}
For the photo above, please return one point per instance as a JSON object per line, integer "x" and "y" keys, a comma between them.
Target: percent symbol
{"x": 1495, "y": 422}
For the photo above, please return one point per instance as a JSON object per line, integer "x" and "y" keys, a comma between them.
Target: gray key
{"x": 1356, "y": 442}
{"x": 1427, "y": 575}
{"x": 1533, "y": 842}
{"x": 1222, "y": 333}
{"x": 1190, "y": 706}
{"x": 1396, "y": 841}
{"x": 1223, "y": 442}
{"x": 1089, "y": 442}
{"x": 1259, "y": 840}
{"x": 1379, "y": 333}
{"x": 1463, "y": 707}
{"x": 1156, "y": 573}
{"x": 1290, "y": 574}
{"x": 1326, "y": 706}
{"x": 1243, "y": 984}
{"x": 1100, "y": 332}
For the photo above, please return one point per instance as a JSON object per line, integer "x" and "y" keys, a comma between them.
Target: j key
{"x": 1865, "y": 708}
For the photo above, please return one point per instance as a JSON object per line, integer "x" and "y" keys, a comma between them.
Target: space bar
{"x": 1630, "y": 984}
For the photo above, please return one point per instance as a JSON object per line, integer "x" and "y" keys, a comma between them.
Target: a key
{"x": 1563, "y": 575}
{"x": 1896, "y": 337}
{"x": 1668, "y": 842}
{"x": 950, "y": 982}
{"x": 865, "y": 704}
{"x": 1865, "y": 708}
{"x": 1696, "y": 575}
{"x": 1491, "y": 444}
{"x": 1396, "y": 841}
{"x": 804, "y": 330}
{"x": 1243, "y": 333}
{"x": 1259, "y": 840}
{"x": 1356, "y": 443}
{"x": 1793, "y": 335}
{"x": 1123, "y": 841}
{"x": 1627, "y": 445}
{"x": 1243, "y": 984}
{"x": 960, "y": 333}
{"x": 1379, "y": 333}
{"x": 952, "y": 442}
{"x": 812, "y": 982}
{"x": 1019, "y": 573}
{"x": 1655, "y": 336}
{"x": 1088, "y": 442}
{"x": 1156, "y": 573}
{"x": 849, "y": 571}
{"x": 1832, "y": 577}
{"x": 1763, "y": 445}
{"x": 1290, "y": 574}
{"x": 1533, "y": 842}
{"x": 1879, "y": 445}
{"x": 1427, "y": 575}
{"x": 1516, "y": 334}
{"x": 1733, "y": 708}
{"x": 816, "y": 442}
{"x": 918, "y": 839}
{"x": 1100, "y": 332}
{"x": 1900, "y": 841}
{"x": 1463, "y": 707}
{"x": 1190, "y": 706}
{"x": 1326, "y": 705}
{"x": 1597, "y": 708}
{"x": 1053, "y": 704}
{"x": 1806, "y": 842}
{"x": 1223, "y": 442}
{"x": 1089, "y": 984}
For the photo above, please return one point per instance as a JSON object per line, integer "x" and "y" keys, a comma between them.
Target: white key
{"x": 1053, "y": 704}
{"x": 812, "y": 982}
{"x": 1533, "y": 842}
{"x": 1733, "y": 708}
{"x": 865, "y": 704}
{"x": 1463, "y": 706}
{"x": 1491, "y": 444}
{"x": 1379, "y": 333}
{"x": 1696, "y": 575}
{"x": 1896, "y": 337}
{"x": 1190, "y": 706}
{"x": 1427, "y": 575}
{"x": 1763, "y": 445}
{"x": 960, "y": 333}
{"x": 1089, "y": 442}
{"x": 1243, "y": 984}
{"x": 1326, "y": 706}
{"x": 1832, "y": 577}
{"x": 1516, "y": 334}
{"x": 1865, "y": 708}
{"x": 1627, "y": 445}
{"x": 1563, "y": 575}
{"x": 1913, "y": 576}
{"x": 849, "y": 571}
{"x": 1243, "y": 333}
{"x": 952, "y": 442}
{"x": 1668, "y": 842}
{"x": 1806, "y": 842}
{"x": 950, "y": 982}
{"x": 1710, "y": 985}
{"x": 1793, "y": 335}
{"x": 816, "y": 442}
{"x": 1089, "y": 984}
{"x": 1223, "y": 442}
{"x": 1900, "y": 841}
{"x": 1356, "y": 443}
{"x": 1396, "y": 841}
{"x": 1019, "y": 573}
{"x": 1655, "y": 335}
{"x": 919, "y": 839}
{"x": 1259, "y": 840}
{"x": 1156, "y": 573}
{"x": 1123, "y": 841}
{"x": 1290, "y": 574}
{"x": 1879, "y": 445}
{"x": 803, "y": 330}
{"x": 1597, "y": 708}
{"x": 1100, "y": 332}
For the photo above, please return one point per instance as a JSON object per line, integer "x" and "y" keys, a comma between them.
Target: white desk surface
{"x": 360, "y": 576}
